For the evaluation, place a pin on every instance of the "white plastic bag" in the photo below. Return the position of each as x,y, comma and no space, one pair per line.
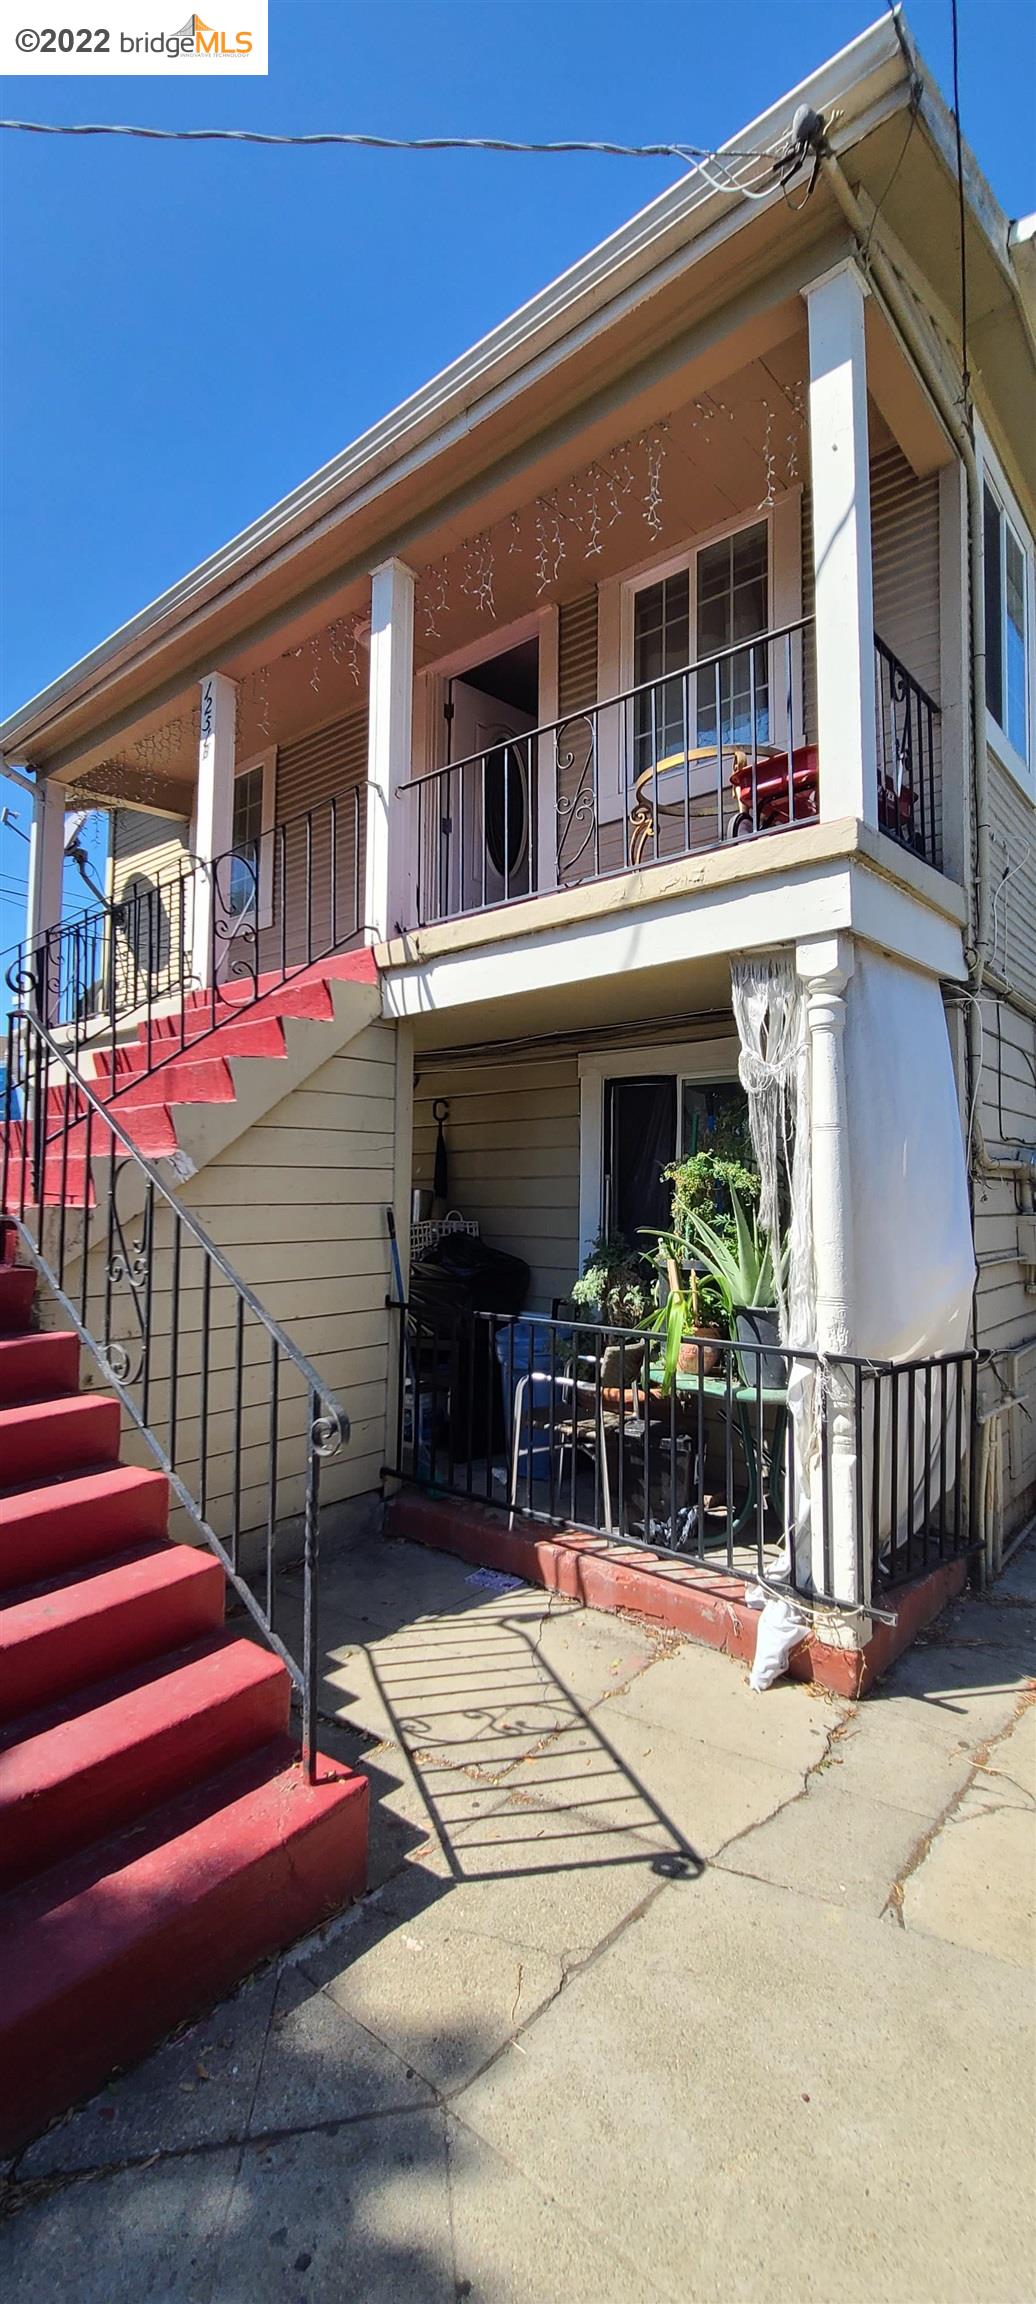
781,1627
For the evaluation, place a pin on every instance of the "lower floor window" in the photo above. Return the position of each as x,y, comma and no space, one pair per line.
651,1122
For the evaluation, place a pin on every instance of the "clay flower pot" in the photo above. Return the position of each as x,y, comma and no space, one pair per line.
697,1353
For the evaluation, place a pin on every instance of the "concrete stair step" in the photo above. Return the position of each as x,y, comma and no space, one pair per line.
111,1948
82,1769
17,1289
51,1525
52,1436
60,1635
32,1365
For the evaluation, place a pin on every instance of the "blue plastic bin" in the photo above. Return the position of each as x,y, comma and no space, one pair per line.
520,1349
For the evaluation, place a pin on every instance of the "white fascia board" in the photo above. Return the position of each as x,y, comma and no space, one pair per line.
459,395
675,933
840,897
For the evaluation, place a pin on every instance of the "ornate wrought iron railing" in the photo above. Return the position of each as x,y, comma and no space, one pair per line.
233,1413
716,751
908,722
200,938
834,1478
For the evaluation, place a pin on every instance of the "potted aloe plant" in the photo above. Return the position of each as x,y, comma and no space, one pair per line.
741,1268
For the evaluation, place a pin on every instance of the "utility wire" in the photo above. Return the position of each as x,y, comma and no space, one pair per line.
686,152
751,174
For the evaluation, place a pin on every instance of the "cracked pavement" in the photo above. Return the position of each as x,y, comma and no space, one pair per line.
661,1989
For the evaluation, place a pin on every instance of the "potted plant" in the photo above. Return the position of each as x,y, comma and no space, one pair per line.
687,1317
742,1270
613,1284
702,1186
614,1288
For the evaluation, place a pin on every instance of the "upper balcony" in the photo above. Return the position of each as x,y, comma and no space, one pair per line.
715,642
699,638
721,748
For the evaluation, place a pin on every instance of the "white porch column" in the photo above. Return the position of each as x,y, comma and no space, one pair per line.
840,482
826,965
213,820
391,872
46,883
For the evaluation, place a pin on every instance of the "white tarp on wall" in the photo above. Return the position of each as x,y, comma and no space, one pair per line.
912,1271
913,1257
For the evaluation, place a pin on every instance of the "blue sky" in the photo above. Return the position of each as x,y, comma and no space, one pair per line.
190,331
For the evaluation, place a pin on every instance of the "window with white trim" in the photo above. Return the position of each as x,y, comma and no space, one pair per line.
251,870
1008,577
724,587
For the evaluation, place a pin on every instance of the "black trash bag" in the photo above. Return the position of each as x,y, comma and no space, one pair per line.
495,1281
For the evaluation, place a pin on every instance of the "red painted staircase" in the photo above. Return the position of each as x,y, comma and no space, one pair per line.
158,1835
177,1059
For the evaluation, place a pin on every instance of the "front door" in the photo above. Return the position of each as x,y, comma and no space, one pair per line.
490,798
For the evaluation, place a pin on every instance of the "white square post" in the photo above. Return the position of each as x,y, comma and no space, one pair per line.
826,965
45,892
213,823
839,458
391,868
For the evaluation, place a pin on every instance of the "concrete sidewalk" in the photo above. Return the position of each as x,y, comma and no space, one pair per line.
662,1989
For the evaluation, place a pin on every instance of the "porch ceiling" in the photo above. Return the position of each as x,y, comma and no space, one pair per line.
732,438
698,991
315,672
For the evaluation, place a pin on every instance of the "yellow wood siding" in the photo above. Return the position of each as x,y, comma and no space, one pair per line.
1006,1309
905,561
1007,1117
512,1139
318,855
150,862
297,1203
578,689
145,848
1013,872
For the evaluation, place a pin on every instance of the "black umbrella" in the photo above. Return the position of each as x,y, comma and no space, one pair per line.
440,1172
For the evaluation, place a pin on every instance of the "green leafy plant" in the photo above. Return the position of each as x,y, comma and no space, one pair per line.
691,1308
702,1187
741,1268
614,1283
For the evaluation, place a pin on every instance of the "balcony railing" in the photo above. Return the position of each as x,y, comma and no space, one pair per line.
909,758
836,1478
712,752
272,907
722,750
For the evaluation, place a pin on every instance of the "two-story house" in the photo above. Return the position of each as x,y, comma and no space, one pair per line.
627,746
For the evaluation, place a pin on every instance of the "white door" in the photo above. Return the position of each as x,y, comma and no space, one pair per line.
490,828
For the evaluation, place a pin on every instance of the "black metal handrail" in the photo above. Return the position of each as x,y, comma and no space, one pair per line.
632,778
907,720
153,1284
830,1476
275,905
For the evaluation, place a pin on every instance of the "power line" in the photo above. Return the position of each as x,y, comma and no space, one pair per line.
685,152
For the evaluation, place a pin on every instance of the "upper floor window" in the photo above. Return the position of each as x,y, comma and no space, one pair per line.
733,606
251,863
721,596
1008,579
